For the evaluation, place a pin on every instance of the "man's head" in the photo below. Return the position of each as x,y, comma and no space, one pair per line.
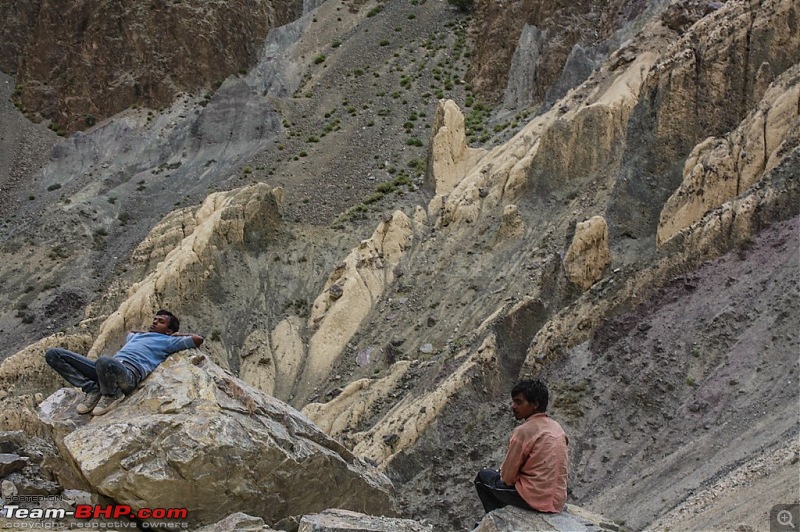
528,398
165,322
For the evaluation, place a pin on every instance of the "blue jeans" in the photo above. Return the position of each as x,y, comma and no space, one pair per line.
106,374
494,493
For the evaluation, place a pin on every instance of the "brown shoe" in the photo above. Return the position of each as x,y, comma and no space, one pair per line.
88,403
107,404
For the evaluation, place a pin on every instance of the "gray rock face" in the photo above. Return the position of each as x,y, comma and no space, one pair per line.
193,432
580,64
524,68
336,520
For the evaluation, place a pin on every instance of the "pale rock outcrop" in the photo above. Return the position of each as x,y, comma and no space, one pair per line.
777,196
580,139
350,293
271,361
572,519
25,374
705,84
225,219
165,236
257,367
194,431
588,256
449,157
336,520
719,169
407,421
348,408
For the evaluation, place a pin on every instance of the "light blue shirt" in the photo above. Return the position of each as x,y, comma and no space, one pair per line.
145,351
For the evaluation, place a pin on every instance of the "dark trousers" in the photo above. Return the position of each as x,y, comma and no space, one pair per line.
495,493
106,374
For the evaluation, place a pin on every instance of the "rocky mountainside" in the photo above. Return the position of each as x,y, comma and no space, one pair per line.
78,65
384,228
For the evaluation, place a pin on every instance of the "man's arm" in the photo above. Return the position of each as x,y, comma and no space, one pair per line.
515,458
196,338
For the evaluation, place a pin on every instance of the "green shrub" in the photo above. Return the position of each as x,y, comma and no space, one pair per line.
374,198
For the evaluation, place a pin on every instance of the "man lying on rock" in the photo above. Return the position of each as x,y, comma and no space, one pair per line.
107,380
534,473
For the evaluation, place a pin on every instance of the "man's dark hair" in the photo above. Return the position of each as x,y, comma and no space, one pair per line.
174,322
533,391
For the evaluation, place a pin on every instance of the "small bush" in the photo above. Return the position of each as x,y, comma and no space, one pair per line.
374,198
319,59
374,11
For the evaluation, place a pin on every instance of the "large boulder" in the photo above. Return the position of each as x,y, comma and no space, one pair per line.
336,520
572,519
193,434
238,522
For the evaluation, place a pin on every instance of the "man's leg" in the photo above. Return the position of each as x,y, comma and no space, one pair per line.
114,377
76,369
116,381
494,493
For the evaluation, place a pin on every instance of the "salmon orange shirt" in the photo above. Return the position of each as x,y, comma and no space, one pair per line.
537,462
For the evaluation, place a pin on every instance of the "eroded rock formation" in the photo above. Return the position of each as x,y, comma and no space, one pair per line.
588,255
449,156
719,169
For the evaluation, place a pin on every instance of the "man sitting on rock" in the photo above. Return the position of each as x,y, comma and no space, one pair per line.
112,378
534,472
